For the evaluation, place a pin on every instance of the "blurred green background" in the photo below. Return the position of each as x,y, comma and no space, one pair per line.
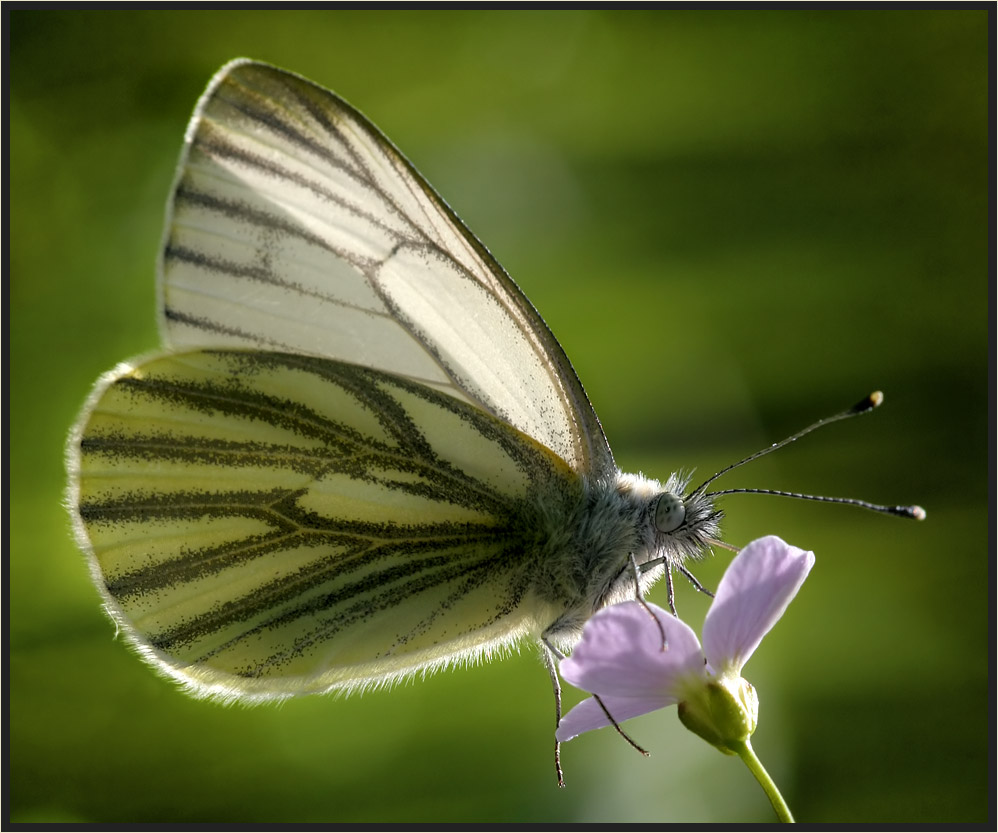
735,223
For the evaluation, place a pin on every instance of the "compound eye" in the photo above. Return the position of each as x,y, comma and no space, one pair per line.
670,512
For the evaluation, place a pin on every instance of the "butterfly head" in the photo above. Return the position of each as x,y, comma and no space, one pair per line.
682,524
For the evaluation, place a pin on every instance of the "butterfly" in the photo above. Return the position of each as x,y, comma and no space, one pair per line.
361,453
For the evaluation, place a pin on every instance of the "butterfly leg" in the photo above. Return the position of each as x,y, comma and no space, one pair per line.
641,601
551,656
671,590
693,580
670,587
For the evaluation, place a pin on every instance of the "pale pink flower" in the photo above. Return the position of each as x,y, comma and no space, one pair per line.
621,658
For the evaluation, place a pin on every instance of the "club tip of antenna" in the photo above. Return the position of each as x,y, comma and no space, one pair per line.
916,513
868,403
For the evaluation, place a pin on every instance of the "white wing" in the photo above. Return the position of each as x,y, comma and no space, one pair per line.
296,225
266,524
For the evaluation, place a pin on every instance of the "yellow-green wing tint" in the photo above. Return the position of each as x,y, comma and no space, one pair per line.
295,225
267,524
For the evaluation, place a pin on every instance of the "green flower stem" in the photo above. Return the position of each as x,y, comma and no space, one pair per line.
744,751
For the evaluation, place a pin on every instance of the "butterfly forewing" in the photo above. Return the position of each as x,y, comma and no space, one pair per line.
268,524
297,226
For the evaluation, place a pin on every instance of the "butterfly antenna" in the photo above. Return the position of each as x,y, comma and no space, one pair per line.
916,513
865,405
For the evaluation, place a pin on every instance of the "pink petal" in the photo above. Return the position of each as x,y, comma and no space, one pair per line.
588,715
759,584
620,654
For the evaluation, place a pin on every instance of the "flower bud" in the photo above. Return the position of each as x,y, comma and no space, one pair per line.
724,713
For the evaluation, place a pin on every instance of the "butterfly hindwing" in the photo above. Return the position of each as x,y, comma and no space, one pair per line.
265,524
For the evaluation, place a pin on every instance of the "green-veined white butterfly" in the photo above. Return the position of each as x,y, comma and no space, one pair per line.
362,454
